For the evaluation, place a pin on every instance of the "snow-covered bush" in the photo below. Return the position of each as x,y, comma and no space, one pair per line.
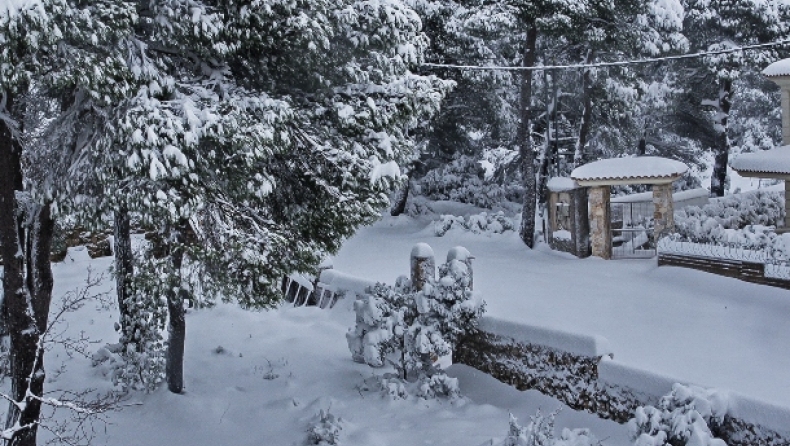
411,329
684,417
465,180
325,430
540,432
482,223
708,224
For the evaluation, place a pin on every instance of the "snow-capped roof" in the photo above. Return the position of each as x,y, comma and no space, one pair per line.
778,68
775,161
559,184
636,170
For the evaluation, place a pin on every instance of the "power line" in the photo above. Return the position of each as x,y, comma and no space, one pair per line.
610,64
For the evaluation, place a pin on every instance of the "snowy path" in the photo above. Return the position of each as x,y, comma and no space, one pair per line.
706,329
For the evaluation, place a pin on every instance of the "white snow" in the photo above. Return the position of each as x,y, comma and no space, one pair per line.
388,169
9,8
421,250
578,344
275,372
778,68
698,327
642,167
560,184
775,161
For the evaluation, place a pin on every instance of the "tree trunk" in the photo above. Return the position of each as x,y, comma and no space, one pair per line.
722,150
176,328
27,355
524,140
399,206
14,290
584,127
124,270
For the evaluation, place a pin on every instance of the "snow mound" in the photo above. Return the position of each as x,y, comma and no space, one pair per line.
636,168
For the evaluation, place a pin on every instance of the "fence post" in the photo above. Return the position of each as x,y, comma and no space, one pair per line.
423,265
462,255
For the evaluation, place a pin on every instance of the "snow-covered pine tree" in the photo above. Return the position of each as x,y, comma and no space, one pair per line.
716,25
46,46
251,163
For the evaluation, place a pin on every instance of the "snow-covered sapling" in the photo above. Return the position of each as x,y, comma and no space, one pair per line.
683,417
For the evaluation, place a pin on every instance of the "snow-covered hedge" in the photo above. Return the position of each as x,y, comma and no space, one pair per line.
741,222
482,223
465,180
710,223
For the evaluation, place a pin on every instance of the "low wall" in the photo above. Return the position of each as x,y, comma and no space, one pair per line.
579,371
740,269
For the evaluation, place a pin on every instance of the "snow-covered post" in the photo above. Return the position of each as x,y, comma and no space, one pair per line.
600,225
663,216
463,255
423,265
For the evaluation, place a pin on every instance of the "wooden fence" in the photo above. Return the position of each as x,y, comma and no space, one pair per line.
740,269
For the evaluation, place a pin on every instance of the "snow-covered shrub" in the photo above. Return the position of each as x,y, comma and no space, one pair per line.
325,430
540,432
482,223
412,329
684,417
708,224
437,385
464,180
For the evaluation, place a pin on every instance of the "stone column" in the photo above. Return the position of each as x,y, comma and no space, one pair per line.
785,113
787,207
600,225
663,216
423,266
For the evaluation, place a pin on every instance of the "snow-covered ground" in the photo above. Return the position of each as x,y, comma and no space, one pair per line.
272,375
698,327
276,370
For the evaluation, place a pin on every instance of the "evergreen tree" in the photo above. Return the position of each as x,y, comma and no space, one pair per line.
46,46
716,25
251,164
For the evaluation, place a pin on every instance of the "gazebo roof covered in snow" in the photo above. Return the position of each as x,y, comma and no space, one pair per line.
774,163
778,68
638,170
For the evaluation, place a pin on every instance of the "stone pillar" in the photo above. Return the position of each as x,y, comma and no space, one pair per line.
787,207
785,113
600,224
423,265
664,214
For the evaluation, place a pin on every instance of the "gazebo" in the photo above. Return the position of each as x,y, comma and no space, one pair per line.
600,175
774,163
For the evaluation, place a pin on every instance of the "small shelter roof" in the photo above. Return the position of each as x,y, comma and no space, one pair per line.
778,68
561,184
773,163
636,170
